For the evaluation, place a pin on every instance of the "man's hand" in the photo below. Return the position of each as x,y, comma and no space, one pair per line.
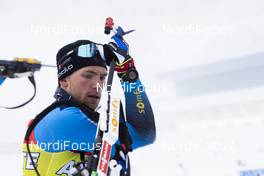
117,50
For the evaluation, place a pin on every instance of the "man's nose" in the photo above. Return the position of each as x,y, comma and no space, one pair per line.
97,83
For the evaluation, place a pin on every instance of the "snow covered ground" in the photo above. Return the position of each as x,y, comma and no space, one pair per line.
218,134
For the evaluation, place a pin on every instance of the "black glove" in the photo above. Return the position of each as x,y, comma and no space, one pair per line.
117,49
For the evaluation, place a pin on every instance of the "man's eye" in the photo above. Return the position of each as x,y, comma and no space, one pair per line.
88,76
102,78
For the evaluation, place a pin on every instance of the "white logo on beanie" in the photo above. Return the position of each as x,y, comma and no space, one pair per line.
65,70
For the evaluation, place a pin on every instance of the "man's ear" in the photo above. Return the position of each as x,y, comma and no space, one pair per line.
64,83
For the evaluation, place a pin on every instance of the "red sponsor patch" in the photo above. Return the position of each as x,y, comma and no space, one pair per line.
105,155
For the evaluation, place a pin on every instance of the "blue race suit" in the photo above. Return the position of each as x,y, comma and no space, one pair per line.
75,131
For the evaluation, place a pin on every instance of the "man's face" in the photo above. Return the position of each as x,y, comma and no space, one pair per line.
83,85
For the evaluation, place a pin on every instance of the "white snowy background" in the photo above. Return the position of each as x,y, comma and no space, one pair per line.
218,134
